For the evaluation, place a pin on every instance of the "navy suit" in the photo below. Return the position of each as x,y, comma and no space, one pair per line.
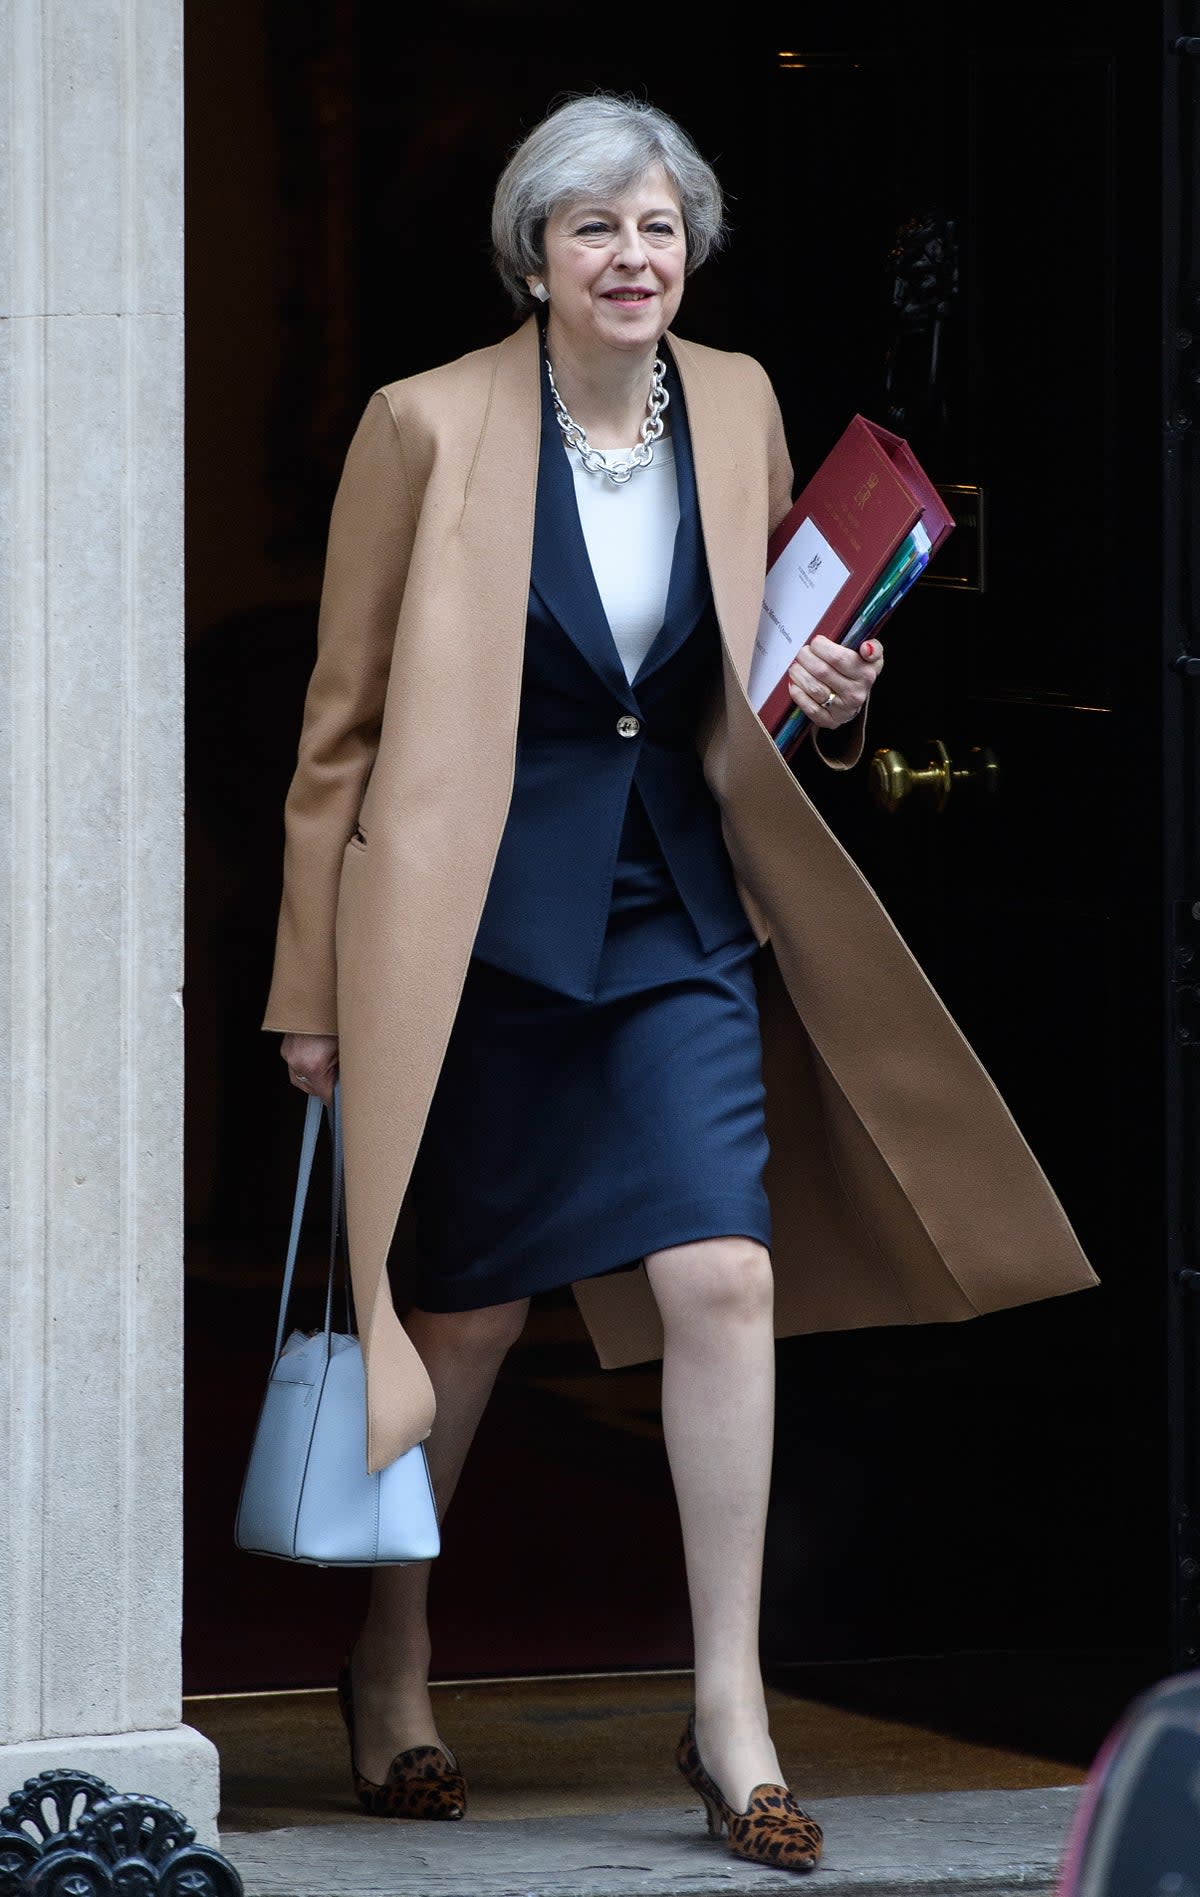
572,813
601,1094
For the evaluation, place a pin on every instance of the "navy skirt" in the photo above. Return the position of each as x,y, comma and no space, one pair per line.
568,1138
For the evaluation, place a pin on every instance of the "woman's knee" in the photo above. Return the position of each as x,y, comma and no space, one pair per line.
486,1335
723,1279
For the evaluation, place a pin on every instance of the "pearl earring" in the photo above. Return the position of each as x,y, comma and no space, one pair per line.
540,291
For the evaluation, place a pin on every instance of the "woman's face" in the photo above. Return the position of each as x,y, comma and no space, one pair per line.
615,267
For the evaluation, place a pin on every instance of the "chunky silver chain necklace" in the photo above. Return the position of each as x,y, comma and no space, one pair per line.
639,457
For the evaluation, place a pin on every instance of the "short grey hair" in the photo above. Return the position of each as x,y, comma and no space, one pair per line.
595,146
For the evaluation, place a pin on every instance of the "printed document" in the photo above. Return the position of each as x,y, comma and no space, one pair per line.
800,588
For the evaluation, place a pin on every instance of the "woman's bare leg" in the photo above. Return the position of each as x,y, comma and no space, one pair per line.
462,1351
715,1297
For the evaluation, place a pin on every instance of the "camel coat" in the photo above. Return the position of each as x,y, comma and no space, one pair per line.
901,1189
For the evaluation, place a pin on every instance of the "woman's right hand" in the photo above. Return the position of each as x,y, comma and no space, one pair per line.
312,1062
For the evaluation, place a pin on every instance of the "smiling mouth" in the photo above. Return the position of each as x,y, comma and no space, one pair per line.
628,296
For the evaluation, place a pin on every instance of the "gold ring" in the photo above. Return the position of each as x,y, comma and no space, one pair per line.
827,702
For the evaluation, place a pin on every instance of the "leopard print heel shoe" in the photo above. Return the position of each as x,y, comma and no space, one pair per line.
423,1782
772,1830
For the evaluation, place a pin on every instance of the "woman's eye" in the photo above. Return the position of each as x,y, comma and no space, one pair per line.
591,230
661,230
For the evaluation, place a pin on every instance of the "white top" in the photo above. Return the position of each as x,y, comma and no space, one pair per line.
630,535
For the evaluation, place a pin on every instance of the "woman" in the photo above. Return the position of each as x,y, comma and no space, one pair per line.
545,869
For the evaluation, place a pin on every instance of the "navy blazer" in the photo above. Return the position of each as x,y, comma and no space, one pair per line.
597,755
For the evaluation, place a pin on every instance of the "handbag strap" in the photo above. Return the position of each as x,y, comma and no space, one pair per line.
308,1148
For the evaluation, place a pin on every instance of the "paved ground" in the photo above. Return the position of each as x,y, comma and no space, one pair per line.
941,1844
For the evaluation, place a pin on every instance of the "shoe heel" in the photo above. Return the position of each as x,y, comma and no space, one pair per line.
687,1758
715,1816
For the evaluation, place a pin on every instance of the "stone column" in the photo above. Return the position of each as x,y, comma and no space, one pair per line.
91,575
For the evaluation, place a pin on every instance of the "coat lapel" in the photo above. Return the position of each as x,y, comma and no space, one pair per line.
409,904
731,499
689,590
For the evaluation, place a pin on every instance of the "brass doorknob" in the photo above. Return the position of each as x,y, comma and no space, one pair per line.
894,781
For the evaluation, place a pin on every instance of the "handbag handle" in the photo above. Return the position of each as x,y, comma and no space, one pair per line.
308,1147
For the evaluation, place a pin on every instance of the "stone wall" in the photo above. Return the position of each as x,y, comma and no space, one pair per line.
91,577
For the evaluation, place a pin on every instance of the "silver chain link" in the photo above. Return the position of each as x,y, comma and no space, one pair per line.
639,457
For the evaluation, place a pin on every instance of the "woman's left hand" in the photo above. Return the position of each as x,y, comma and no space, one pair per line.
822,668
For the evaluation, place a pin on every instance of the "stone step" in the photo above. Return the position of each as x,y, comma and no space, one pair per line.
939,1844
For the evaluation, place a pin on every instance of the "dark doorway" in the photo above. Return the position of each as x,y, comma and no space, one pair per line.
955,226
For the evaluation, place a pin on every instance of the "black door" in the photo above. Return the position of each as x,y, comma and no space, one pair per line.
964,239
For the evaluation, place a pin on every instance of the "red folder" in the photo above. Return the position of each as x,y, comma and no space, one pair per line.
866,496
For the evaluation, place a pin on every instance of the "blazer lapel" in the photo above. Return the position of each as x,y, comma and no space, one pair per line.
562,572
719,543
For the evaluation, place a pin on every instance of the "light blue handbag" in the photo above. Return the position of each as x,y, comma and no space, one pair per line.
307,1495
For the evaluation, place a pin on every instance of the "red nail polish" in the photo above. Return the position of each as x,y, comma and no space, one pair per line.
868,650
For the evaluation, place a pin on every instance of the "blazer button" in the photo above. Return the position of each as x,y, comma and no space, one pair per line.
628,727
